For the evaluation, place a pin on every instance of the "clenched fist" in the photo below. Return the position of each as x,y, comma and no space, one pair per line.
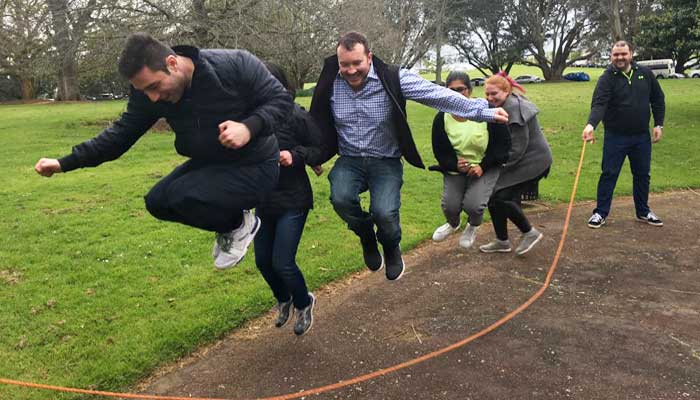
47,167
233,135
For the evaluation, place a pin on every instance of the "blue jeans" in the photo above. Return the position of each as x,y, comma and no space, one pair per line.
615,148
275,254
383,177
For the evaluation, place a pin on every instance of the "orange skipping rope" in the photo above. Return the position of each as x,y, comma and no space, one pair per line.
371,375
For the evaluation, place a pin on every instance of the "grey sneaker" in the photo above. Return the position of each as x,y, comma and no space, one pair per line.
233,245
650,219
468,236
596,221
496,246
528,241
443,231
305,317
284,311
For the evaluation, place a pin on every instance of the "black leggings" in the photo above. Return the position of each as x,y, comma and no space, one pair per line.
504,205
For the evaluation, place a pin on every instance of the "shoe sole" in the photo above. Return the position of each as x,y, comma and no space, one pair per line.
646,221
520,253
403,269
313,305
596,226
508,250
256,228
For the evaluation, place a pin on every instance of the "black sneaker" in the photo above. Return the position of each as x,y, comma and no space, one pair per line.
596,221
651,219
305,317
370,252
284,311
394,263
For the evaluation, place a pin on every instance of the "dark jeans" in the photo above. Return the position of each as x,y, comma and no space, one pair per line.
275,254
211,196
505,205
383,177
615,148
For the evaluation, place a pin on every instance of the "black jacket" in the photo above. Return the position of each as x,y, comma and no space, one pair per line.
389,77
302,138
226,85
496,151
623,105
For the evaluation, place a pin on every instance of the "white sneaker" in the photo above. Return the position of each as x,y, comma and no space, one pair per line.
468,236
442,232
233,245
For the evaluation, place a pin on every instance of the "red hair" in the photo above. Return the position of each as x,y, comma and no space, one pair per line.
504,82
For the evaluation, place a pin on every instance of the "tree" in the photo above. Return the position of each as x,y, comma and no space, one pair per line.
23,38
296,34
70,22
486,34
552,30
673,31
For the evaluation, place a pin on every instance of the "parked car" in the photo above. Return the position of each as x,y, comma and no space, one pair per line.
528,79
676,75
478,81
577,76
694,73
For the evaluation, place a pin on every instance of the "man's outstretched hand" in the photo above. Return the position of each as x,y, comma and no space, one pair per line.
47,167
500,115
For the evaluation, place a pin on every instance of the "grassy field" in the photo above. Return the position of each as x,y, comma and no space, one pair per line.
95,293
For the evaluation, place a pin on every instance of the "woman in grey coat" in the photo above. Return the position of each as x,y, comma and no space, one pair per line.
528,162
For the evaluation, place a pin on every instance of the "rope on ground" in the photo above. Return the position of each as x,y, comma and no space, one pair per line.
371,375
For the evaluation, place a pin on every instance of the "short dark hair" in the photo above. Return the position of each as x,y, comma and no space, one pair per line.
350,39
459,76
623,43
143,50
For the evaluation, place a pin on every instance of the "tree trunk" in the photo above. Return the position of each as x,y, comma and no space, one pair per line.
438,63
68,88
615,23
27,88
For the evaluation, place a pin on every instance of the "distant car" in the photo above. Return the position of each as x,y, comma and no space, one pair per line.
577,76
694,73
478,81
528,79
676,75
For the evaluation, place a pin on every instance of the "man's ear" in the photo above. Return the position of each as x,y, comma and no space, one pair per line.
369,57
171,63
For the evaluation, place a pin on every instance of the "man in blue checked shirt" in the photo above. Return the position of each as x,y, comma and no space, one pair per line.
360,106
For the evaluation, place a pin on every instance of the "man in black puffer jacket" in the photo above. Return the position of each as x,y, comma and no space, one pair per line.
223,106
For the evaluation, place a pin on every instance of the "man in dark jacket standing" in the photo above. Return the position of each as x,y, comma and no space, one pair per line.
223,106
622,99
360,105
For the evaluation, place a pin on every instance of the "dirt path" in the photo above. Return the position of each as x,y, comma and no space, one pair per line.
620,321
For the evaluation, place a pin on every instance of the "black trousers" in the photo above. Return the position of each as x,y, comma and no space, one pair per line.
211,196
504,205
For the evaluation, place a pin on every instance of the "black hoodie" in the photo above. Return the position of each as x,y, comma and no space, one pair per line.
623,104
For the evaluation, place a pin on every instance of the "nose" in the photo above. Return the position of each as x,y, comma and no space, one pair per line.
153,96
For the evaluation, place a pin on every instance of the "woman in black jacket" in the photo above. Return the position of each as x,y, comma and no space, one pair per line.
283,215
470,155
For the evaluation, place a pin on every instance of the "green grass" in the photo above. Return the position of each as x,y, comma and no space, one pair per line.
96,293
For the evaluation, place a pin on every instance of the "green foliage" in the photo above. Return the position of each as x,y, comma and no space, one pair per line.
96,293
672,32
